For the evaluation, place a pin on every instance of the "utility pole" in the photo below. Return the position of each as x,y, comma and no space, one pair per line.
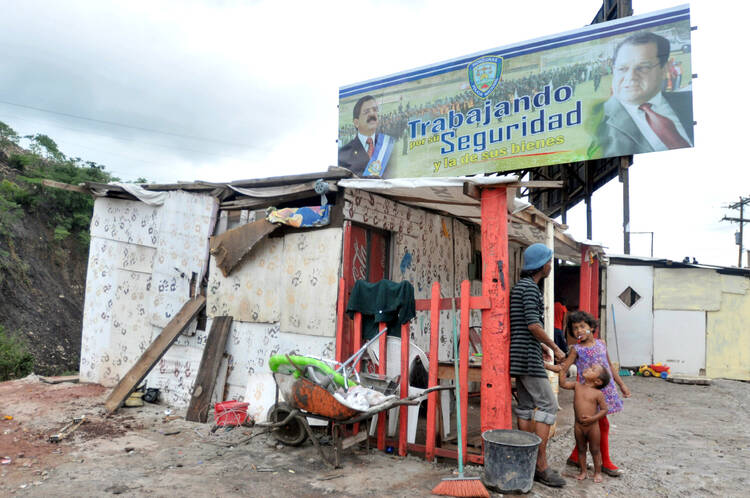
741,220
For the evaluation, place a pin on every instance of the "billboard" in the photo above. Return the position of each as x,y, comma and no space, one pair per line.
611,89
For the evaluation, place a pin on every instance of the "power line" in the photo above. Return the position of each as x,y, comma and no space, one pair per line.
184,149
122,125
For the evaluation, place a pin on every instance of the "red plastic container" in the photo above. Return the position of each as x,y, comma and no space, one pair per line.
230,413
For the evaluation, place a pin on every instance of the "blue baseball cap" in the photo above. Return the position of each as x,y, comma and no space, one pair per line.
535,256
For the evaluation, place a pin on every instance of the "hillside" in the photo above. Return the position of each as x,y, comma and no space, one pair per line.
43,249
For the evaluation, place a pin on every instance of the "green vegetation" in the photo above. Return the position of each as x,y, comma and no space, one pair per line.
70,212
15,359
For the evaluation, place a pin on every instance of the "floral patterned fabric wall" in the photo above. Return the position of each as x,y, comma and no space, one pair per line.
425,248
141,261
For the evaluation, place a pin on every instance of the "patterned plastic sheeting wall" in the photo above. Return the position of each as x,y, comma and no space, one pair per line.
186,223
291,280
248,376
130,253
251,293
310,272
423,245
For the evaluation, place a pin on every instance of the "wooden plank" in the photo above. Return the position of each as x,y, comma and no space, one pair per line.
536,184
262,203
432,400
59,379
213,352
687,379
153,353
404,412
333,173
446,371
280,190
496,395
231,246
340,317
352,440
475,303
65,186
472,190
382,359
463,362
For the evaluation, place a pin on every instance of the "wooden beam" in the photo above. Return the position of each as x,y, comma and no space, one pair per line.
472,190
65,186
539,220
281,190
203,389
231,246
333,173
475,303
261,203
422,201
495,386
153,353
536,184
60,379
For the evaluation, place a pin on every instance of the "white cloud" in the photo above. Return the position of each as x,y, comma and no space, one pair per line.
265,75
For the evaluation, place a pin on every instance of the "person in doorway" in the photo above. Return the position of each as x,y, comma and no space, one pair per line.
585,352
536,400
560,311
589,407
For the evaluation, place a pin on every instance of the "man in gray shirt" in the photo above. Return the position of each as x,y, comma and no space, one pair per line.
536,400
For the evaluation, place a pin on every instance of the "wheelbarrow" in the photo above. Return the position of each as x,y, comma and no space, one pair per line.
305,398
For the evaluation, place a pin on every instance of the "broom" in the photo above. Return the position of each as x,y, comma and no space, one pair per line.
459,486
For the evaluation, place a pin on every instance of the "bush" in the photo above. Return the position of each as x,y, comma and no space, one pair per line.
15,359
21,161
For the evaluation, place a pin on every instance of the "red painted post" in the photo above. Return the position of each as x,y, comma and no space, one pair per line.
432,399
343,347
584,289
381,370
594,292
357,344
357,339
340,321
496,397
403,416
463,363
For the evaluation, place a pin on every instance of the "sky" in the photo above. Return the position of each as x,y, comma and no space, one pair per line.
224,90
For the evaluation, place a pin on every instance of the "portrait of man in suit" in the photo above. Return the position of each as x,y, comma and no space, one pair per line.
640,117
368,153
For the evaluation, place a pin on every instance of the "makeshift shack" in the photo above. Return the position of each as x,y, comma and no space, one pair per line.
691,317
282,282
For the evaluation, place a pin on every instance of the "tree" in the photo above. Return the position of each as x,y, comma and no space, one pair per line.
7,135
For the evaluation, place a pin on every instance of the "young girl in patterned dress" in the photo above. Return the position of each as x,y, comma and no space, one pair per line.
585,352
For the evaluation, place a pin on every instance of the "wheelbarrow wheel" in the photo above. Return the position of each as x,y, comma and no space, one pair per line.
292,433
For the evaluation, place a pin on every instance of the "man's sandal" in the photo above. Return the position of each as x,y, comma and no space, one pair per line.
549,477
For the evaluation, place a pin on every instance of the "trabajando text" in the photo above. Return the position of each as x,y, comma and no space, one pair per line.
481,116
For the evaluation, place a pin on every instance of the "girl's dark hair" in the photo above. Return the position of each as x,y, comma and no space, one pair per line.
580,316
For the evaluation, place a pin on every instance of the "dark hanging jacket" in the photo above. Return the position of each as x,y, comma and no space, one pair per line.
383,301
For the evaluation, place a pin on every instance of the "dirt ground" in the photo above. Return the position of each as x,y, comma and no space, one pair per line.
672,440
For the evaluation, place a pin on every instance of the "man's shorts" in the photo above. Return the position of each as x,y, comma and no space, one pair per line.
535,392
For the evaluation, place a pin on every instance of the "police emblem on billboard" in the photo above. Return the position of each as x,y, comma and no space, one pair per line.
484,74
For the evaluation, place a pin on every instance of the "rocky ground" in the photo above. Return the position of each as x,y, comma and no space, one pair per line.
673,440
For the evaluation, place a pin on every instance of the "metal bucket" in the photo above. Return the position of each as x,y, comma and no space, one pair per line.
510,460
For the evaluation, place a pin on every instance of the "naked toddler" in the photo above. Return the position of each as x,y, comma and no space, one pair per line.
589,407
